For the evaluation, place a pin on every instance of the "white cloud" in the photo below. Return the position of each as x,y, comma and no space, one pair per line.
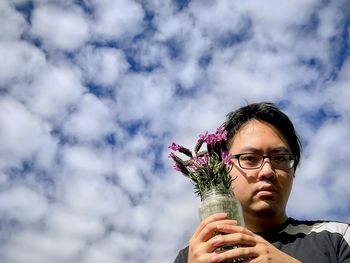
52,92
19,62
11,22
339,93
105,249
130,176
86,160
115,20
132,163
283,14
150,54
142,96
97,176
329,21
22,134
103,66
92,120
35,246
217,17
75,224
324,170
17,202
62,29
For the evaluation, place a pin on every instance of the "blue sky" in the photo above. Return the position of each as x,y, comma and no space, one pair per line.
93,91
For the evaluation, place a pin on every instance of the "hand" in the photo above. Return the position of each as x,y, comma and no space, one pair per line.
201,250
253,248
203,244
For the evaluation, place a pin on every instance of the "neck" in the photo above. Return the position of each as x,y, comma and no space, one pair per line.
263,223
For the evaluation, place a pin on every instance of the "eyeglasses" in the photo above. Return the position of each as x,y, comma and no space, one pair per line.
282,161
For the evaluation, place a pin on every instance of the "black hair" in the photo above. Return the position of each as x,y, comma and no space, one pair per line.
267,112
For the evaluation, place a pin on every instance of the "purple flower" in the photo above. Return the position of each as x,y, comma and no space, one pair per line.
226,158
203,137
212,139
221,134
203,160
208,167
176,167
174,147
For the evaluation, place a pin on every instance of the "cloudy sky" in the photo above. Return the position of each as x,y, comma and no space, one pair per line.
93,91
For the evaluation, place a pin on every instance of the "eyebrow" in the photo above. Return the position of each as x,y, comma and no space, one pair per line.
281,149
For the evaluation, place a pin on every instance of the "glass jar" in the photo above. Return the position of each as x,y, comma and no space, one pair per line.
221,200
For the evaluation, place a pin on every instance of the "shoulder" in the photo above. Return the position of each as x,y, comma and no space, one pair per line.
306,227
305,239
182,256
297,227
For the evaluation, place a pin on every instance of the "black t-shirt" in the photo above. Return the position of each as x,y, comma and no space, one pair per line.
307,241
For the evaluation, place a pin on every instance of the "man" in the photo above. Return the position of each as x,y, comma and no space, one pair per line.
265,150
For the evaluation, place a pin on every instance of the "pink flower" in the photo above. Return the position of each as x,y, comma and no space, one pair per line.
212,139
174,147
226,158
203,137
221,134
176,167
212,165
203,160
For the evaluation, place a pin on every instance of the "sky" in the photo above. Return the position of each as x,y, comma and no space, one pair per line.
92,92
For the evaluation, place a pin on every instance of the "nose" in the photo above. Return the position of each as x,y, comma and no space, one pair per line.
266,170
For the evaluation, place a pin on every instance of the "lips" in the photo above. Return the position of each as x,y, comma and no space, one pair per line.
266,190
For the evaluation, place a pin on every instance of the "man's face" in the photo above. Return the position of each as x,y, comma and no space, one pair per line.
264,191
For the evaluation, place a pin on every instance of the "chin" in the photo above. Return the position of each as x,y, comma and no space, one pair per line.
266,209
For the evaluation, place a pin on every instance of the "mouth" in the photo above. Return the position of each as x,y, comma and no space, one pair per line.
266,191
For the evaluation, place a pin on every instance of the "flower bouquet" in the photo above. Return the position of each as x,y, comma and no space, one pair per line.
209,171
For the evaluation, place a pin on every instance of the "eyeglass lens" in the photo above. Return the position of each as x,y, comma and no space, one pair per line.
278,161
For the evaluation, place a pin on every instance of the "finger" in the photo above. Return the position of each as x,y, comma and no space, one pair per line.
229,228
209,219
238,239
209,230
242,253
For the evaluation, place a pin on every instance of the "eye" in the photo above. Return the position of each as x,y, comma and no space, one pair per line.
249,158
280,158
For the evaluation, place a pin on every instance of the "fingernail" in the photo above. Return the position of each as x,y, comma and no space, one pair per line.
222,214
216,241
220,226
216,258
231,222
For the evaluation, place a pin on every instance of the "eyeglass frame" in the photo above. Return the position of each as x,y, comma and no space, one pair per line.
236,156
